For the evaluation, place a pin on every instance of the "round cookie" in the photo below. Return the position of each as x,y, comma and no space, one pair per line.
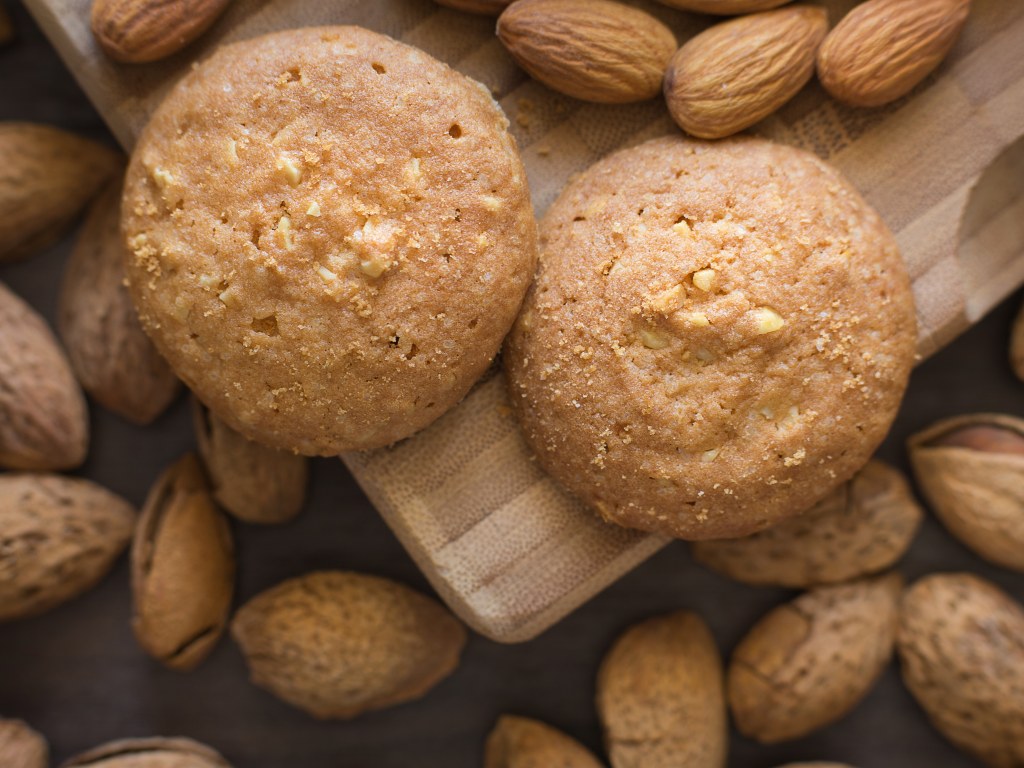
718,335
329,235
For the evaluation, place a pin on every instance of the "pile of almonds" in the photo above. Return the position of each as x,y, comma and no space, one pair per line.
735,73
339,644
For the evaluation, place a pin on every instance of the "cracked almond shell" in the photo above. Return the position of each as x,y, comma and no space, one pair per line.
58,537
737,73
337,644
519,742
43,418
253,482
46,178
807,663
971,471
961,648
660,696
865,526
21,746
183,569
149,753
594,50
111,356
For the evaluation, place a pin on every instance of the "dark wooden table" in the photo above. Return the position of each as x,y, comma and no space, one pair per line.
77,675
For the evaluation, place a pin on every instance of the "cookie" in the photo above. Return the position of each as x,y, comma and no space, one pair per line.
329,235
719,334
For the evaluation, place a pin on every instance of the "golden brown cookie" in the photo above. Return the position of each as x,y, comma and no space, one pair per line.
330,233
719,334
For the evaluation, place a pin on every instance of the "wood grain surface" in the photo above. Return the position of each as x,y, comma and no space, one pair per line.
505,547
77,675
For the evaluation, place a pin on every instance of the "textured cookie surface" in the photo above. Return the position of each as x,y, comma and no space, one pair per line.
719,334
329,235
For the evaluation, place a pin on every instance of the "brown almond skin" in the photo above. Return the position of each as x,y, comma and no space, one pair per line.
337,644
61,535
183,569
482,7
43,419
594,50
971,471
724,7
140,31
22,747
961,649
660,696
253,482
883,48
807,663
865,526
47,176
112,357
519,742
737,73
149,753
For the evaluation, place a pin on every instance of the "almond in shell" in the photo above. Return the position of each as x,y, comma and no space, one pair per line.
961,648
519,742
43,420
660,696
807,663
595,50
46,178
739,72
255,483
183,569
971,471
863,527
337,644
883,48
61,535
149,753
22,747
138,31
110,354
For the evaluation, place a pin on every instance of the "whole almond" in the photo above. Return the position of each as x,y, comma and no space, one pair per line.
738,72
149,753
483,7
46,177
22,747
110,354
183,569
595,50
337,644
253,482
961,648
138,31
807,663
724,7
883,48
43,420
863,527
660,696
519,742
60,537
971,471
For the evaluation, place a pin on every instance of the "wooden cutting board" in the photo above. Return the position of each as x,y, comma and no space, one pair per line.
508,550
